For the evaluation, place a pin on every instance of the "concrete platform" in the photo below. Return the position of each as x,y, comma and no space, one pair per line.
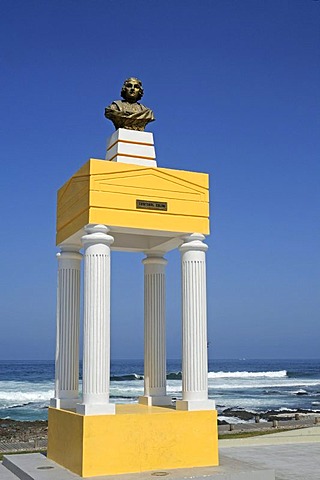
301,435
300,461
5,474
35,466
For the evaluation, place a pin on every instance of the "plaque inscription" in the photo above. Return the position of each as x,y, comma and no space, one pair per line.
151,205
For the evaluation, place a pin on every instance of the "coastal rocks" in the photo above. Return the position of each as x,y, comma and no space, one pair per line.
267,416
16,431
222,422
239,413
301,392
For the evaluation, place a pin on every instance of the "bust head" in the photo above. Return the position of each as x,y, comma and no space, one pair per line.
132,90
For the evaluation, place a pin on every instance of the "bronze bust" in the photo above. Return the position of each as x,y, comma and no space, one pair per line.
128,113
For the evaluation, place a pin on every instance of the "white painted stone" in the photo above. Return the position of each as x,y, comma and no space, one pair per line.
131,150
194,325
155,380
105,408
96,336
193,405
134,136
131,146
68,320
135,161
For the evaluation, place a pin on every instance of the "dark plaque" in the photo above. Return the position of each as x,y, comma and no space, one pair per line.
151,205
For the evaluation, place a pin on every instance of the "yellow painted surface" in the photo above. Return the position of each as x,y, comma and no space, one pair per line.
106,192
138,409
65,439
138,438
148,220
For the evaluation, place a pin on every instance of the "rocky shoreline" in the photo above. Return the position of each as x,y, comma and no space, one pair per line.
268,416
14,431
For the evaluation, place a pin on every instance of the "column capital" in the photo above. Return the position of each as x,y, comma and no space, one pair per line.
69,247
154,258
69,251
96,233
194,241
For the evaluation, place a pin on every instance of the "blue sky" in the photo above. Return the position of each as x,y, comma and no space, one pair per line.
234,85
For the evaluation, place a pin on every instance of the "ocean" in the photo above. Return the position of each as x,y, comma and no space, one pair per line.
255,386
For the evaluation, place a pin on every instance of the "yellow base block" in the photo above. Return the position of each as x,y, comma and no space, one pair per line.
136,439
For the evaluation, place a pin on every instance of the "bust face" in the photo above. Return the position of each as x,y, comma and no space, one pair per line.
131,90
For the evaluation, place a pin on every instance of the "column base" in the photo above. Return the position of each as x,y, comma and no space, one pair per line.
64,403
96,409
156,400
193,405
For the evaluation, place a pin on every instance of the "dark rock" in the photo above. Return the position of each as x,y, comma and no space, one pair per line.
242,414
222,422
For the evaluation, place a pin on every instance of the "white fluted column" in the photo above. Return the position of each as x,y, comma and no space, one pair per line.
194,326
96,336
154,331
68,320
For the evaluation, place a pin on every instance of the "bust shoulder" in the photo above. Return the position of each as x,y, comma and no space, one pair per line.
121,105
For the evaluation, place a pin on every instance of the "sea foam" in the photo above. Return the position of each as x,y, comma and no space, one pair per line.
244,375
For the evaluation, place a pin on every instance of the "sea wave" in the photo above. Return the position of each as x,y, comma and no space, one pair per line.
19,405
174,376
231,419
23,398
222,374
276,374
215,385
125,397
126,377
139,376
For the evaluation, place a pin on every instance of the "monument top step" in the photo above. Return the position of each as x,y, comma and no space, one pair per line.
131,146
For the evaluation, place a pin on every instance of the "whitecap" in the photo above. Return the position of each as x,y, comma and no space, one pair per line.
276,374
16,399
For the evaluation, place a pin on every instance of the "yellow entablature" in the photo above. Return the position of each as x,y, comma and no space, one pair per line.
133,196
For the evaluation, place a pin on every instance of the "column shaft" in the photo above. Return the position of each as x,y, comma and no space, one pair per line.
96,336
194,326
154,331
68,320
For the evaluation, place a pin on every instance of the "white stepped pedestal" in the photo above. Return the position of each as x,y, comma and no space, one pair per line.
194,326
131,146
154,331
96,337
68,320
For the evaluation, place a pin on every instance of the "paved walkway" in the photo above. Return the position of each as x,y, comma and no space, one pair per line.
294,455
301,435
